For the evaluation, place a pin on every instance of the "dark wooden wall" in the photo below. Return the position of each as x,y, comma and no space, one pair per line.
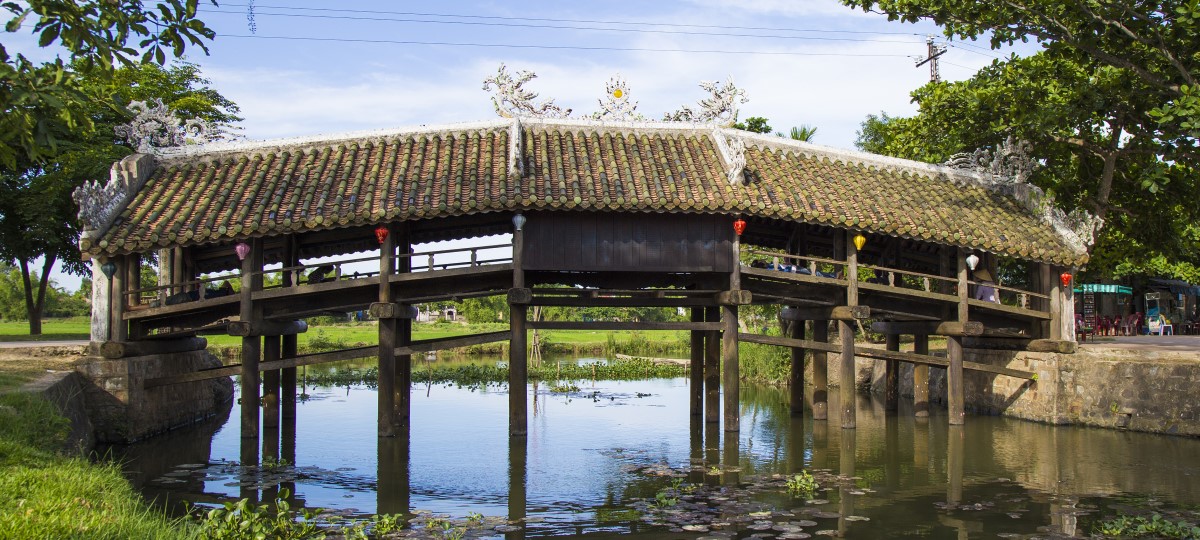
629,242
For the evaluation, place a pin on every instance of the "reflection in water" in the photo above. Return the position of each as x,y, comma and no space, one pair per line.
590,456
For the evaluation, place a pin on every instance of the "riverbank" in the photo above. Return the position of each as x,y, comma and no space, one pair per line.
47,491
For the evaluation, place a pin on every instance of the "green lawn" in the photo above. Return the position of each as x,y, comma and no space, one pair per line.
52,329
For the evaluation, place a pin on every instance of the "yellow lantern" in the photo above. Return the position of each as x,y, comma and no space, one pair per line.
860,241
618,93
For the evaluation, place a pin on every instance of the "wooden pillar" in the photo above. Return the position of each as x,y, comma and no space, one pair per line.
386,375
252,344
921,377
846,334
517,489
696,366
119,329
729,356
287,379
165,262
954,352
891,375
820,368
270,393
518,355
712,368
955,442
403,386
796,375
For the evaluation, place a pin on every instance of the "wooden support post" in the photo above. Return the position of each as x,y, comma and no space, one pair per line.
729,356
251,345
796,375
891,375
846,334
518,354
403,387
712,368
921,378
954,352
287,382
820,368
119,329
270,394
386,375
287,379
696,366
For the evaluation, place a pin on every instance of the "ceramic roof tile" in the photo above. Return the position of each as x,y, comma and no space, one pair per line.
219,195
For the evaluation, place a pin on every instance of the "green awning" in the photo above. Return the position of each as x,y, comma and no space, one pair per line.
1103,288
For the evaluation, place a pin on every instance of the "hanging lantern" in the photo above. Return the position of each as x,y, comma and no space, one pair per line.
242,249
859,241
972,261
381,233
739,226
109,268
519,221
1065,278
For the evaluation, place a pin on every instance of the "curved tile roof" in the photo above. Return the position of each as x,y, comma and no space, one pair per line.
221,193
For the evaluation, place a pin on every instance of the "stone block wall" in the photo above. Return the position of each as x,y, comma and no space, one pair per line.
1136,390
121,410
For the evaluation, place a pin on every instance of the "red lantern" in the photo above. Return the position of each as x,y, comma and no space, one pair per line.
381,233
739,226
1065,278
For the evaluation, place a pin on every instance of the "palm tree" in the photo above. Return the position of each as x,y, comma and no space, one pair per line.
803,133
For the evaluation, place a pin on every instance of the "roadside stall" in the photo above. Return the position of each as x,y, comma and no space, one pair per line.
1104,309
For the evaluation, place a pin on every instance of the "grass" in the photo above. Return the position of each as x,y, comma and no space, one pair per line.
52,329
46,494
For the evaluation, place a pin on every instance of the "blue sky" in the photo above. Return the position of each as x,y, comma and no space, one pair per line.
316,67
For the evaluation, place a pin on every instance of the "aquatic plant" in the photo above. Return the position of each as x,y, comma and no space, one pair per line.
244,519
1143,527
802,484
388,523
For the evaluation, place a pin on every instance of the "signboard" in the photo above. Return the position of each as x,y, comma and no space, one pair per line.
1103,288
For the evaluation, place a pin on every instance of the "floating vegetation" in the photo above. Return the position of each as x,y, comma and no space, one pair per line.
1155,526
802,484
475,376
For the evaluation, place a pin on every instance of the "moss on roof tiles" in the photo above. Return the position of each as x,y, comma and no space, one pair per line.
566,167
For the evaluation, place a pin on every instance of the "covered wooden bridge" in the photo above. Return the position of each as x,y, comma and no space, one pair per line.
599,214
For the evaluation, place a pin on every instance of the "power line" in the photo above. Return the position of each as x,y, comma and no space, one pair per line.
554,47
259,12
580,21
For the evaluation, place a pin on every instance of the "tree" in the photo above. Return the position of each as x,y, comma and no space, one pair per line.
754,124
37,213
803,133
1080,120
1150,45
42,105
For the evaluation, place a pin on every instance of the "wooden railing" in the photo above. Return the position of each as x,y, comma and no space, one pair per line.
199,289
891,277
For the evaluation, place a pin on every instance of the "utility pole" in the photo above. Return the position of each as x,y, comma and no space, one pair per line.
931,58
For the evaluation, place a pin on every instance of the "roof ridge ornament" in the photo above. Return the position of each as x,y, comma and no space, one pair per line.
511,100
733,152
156,126
516,149
721,108
99,204
616,105
1007,171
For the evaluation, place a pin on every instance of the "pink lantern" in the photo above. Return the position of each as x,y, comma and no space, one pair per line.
242,249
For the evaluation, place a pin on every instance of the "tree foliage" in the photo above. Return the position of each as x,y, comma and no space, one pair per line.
43,104
1110,103
37,213
1150,46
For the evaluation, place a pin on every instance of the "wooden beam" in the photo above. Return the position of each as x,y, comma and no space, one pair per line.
1021,344
932,328
116,349
520,296
738,297
611,325
443,343
391,310
267,328
623,301
825,313
881,354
